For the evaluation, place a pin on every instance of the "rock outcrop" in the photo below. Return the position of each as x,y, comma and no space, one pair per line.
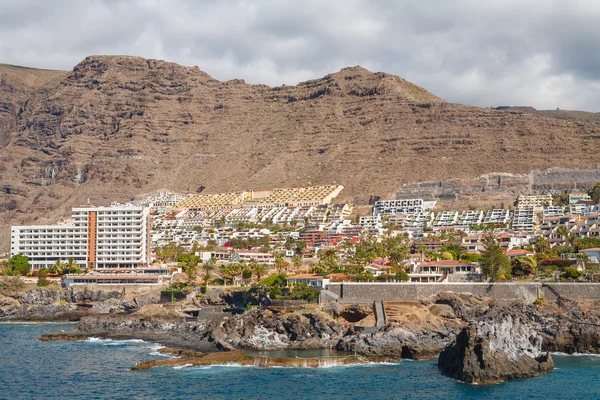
69,304
503,345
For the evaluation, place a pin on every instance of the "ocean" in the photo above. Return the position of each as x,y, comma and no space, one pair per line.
99,369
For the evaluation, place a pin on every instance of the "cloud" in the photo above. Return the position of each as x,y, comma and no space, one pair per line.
541,52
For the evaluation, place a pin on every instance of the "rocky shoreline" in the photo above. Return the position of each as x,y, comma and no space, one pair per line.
478,340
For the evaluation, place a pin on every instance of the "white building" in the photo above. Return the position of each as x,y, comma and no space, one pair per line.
524,219
404,206
102,237
553,211
445,219
497,217
470,217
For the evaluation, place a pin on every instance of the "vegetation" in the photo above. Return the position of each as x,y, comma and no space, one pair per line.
17,265
524,266
571,274
495,264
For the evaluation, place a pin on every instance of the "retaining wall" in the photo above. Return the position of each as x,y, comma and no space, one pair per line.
499,291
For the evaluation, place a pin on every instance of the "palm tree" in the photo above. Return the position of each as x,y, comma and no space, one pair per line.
563,231
260,270
280,263
297,261
71,266
57,268
208,267
542,244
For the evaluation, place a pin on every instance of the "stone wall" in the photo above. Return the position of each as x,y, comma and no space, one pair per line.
500,291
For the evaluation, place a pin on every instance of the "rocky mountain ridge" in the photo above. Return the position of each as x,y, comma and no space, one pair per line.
118,126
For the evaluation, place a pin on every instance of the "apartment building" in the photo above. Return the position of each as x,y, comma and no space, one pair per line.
392,207
576,197
524,219
100,237
536,201
553,211
470,217
497,217
445,219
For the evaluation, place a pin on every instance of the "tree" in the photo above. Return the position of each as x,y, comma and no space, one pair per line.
208,267
260,270
19,265
189,263
446,255
524,266
541,245
297,261
494,263
229,271
57,268
71,267
398,254
595,192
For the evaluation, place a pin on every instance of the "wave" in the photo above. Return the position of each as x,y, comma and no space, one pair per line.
183,366
558,353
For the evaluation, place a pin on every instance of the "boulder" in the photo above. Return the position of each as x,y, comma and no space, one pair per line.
500,347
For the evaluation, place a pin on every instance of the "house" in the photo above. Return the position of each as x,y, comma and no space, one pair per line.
312,280
437,271
593,254
514,253
375,269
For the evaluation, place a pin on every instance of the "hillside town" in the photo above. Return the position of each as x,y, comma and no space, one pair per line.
303,235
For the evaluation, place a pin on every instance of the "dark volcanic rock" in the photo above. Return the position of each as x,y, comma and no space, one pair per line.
500,347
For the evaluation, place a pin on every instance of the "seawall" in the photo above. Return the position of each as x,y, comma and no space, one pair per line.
499,291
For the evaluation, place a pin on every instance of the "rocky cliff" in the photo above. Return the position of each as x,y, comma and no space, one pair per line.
501,345
117,126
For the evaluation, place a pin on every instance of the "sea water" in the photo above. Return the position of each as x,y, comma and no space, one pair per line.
99,369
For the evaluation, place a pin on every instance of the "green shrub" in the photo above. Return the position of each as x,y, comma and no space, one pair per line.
302,291
42,281
571,274
274,280
539,301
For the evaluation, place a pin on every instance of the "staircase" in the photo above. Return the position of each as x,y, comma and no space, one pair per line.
379,314
559,299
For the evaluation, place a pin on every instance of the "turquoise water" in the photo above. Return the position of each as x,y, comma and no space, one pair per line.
30,369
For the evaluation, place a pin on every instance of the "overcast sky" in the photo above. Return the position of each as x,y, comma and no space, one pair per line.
487,53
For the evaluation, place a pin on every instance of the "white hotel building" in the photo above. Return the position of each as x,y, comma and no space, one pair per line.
100,237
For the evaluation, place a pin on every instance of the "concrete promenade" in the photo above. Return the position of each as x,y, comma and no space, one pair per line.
379,291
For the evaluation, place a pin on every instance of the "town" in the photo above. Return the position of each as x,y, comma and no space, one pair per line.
302,236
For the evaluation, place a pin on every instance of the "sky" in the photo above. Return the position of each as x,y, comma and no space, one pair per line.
544,54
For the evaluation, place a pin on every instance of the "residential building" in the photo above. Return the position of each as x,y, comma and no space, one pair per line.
312,280
403,206
553,211
445,219
497,217
537,201
524,219
470,218
438,271
593,254
100,237
576,197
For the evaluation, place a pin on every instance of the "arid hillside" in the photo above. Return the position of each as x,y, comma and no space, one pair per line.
118,126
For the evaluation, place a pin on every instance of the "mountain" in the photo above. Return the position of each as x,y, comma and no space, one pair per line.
118,126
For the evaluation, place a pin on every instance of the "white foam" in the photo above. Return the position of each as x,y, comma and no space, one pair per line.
575,354
182,366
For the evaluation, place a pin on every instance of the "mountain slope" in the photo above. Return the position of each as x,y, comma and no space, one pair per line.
117,126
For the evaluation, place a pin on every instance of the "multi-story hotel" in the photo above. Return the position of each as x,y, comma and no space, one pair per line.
100,237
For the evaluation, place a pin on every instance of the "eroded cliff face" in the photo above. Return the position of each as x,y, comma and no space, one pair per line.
115,127
503,345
